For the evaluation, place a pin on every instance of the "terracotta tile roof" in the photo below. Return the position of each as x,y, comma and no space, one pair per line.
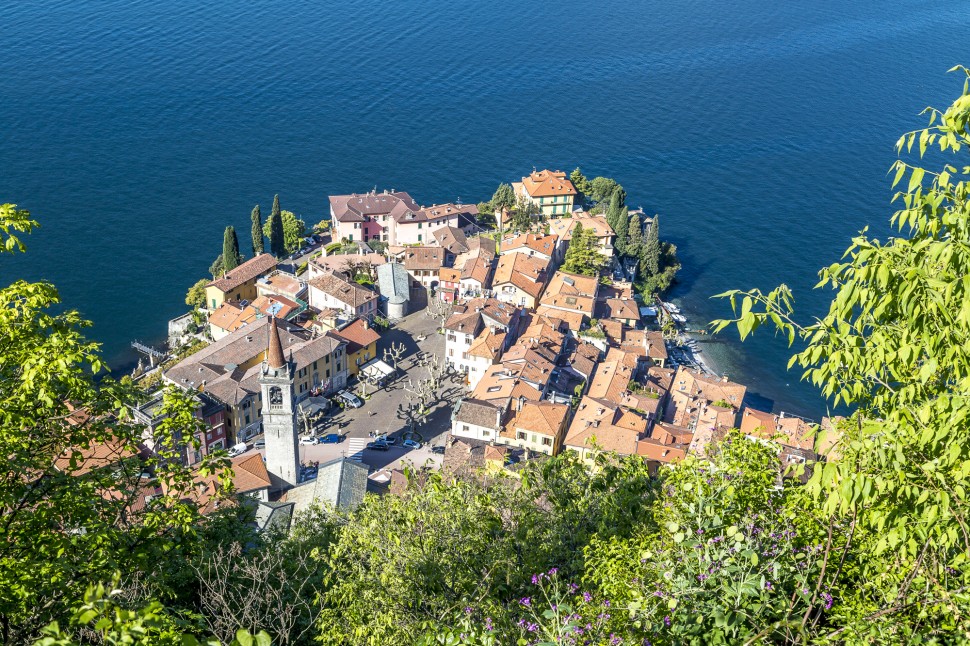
795,431
353,208
228,316
344,290
544,418
532,363
422,258
358,335
583,359
611,378
571,293
248,474
622,309
94,456
280,283
545,245
546,183
496,453
435,212
524,272
477,269
488,344
245,272
447,275
611,427
500,384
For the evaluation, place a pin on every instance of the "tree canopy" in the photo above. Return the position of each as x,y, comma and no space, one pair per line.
294,230
274,229
230,249
256,231
582,255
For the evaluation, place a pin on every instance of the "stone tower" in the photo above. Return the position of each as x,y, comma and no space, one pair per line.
279,414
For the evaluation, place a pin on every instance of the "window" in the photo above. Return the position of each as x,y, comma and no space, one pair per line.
495,389
213,303
419,224
419,237
486,433
247,419
520,435
350,237
328,373
464,427
547,441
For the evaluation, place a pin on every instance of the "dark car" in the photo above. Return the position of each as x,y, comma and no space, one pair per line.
377,446
438,449
331,438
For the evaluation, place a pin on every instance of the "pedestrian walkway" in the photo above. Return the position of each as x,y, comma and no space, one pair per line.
355,448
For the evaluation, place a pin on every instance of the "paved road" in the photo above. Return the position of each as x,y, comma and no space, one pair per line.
380,411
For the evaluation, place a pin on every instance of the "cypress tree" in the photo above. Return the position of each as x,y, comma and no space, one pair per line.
277,244
650,253
230,250
257,231
614,210
634,238
621,230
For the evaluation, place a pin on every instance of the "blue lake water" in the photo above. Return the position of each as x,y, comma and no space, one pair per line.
760,132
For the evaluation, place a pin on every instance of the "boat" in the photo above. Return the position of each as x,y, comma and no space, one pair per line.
679,318
673,309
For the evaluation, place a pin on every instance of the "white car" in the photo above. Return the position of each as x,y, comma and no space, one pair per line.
349,399
412,444
307,439
237,449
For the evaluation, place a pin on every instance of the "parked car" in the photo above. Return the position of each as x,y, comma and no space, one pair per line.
349,399
382,437
377,446
307,439
331,438
440,450
237,449
259,444
412,444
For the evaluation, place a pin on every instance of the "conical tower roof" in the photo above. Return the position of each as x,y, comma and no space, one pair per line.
274,352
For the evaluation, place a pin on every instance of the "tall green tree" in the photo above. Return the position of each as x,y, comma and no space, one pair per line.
650,251
895,346
294,230
582,255
230,249
503,198
257,231
614,211
274,229
580,182
634,242
602,189
622,231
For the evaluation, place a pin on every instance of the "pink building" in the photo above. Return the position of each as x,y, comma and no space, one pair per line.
391,217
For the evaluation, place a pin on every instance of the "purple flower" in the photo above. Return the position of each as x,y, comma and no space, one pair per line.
701,577
606,602
587,597
532,627
488,624
535,579
828,600
767,585
553,571
667,621
468,610
525,601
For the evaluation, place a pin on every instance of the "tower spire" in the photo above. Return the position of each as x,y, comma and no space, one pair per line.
274,352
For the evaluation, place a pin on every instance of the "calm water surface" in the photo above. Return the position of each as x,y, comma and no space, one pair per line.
760,131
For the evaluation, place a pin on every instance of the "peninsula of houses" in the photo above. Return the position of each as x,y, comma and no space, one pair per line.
452,336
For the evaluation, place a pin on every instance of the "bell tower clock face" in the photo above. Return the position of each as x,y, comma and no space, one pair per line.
275,396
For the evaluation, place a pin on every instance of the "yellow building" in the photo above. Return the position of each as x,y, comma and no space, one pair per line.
240,283
549,190
361,344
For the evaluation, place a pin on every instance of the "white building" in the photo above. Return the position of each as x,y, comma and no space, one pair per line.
477,420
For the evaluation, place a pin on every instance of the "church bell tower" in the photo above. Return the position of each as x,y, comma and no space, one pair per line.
279,414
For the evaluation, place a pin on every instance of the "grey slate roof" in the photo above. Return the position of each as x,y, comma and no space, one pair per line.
479,413
340,483
393,282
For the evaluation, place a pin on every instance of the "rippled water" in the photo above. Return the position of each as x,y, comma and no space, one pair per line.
761,132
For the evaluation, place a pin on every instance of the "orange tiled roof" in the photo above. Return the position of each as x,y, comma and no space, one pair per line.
249,270
546,183
544,418
610,427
